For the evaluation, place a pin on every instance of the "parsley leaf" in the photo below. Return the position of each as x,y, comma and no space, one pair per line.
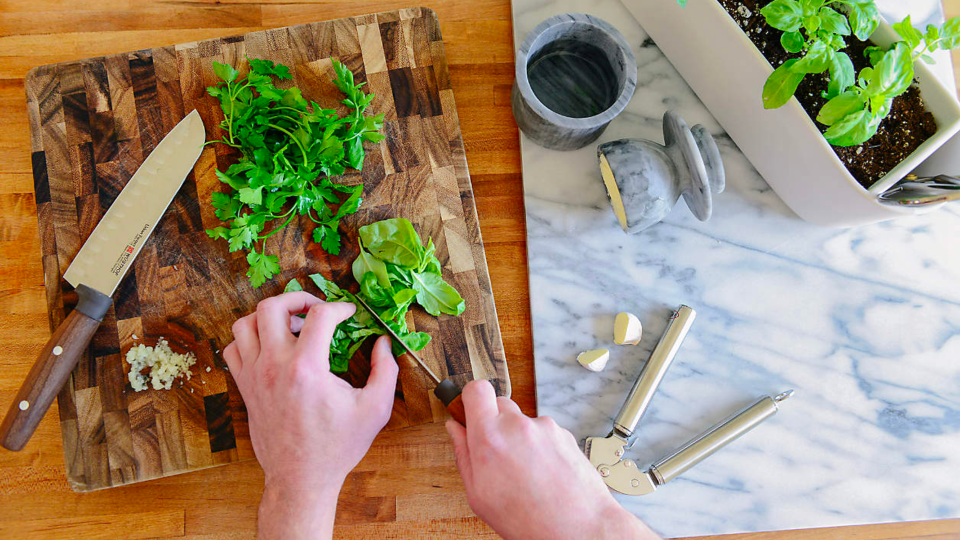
261,267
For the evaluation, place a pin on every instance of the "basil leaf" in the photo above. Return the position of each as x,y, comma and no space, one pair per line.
292,285
792,41
330,290
394,241
875,54
842,74
839,107
864,18
895,70
834,22
436,295
853,129
950,35
781,85
400,275
416,340
404,297
376,294
786,15
366,263
817,59
811,23
911,35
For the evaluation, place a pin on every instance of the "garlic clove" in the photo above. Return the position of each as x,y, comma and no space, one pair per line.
594,360
627,329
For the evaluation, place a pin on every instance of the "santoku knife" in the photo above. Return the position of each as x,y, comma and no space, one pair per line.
446,391
98,268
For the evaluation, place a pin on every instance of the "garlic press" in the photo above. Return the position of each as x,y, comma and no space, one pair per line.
606,453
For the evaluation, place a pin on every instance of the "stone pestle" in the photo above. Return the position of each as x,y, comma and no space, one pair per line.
644,179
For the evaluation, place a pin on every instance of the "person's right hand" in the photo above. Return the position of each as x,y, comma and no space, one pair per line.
527,478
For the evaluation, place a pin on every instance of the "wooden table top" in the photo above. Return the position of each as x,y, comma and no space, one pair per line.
408,486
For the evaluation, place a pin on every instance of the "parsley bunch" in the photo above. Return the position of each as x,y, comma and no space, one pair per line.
290,149
394,271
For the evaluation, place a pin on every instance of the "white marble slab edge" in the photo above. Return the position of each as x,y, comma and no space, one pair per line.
864,323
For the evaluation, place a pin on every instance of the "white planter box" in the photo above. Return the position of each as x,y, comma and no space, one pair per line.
727,72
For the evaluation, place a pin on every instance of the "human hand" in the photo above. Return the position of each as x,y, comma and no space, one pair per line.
309,428
527,478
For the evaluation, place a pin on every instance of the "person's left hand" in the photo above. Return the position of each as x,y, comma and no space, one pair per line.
308,427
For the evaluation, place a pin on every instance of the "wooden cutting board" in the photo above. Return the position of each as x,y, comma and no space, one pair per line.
93,122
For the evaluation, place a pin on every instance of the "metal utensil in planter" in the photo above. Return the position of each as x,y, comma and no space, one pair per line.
920,191
575,73
645,179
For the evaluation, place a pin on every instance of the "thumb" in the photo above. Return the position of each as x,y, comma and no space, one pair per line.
461,452
382,383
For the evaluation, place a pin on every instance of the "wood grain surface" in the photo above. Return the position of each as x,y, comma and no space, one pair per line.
407,487
94,121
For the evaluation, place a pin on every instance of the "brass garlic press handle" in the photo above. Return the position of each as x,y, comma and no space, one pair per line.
715,438
652,374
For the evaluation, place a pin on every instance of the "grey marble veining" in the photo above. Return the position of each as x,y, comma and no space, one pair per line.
864,323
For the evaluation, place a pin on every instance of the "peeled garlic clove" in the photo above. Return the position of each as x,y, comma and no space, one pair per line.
594,360
627,329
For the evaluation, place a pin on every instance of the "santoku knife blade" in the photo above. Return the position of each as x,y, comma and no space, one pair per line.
98,268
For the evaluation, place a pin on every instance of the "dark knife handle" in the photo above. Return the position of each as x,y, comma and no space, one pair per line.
52,368
449,394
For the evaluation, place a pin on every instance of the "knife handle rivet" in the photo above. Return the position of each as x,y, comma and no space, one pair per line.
635,483
57,351
24,405
604,472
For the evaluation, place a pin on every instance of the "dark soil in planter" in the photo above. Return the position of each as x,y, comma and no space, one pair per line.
907,127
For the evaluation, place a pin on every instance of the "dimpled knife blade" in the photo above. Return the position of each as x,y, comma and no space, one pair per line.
117,240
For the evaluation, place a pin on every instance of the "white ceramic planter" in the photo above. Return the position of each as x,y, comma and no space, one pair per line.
727,72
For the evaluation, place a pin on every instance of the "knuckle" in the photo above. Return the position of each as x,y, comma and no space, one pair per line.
237,326
527,427
547,422
266,305
319,310
488,436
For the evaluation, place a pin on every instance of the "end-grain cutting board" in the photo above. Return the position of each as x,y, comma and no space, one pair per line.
92,123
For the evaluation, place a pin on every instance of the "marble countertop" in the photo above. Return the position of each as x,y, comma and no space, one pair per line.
864,323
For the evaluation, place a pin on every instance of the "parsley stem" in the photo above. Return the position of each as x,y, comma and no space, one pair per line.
233,97
299,144
271,233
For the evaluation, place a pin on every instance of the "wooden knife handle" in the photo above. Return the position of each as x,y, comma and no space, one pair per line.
52,368
449,393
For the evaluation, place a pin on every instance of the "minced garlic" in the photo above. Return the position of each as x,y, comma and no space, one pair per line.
165,366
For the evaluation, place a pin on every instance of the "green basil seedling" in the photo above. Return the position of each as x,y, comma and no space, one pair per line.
816,29
854,115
